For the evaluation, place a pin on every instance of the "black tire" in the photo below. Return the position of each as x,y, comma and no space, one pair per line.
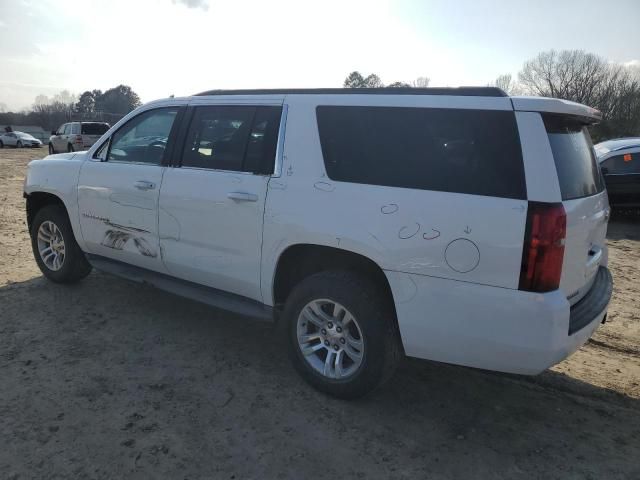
1,144
19,144
70,148
375,316
51,149
75,265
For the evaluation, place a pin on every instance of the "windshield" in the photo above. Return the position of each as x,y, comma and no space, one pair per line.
24,135
573,154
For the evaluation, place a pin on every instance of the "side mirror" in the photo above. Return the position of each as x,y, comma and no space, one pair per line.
53,132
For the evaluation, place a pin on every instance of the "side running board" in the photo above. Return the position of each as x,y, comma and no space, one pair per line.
200,293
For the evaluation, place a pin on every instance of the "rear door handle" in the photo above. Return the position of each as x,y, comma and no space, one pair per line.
243,196
144,185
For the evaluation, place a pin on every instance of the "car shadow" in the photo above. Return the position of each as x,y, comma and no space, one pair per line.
144,381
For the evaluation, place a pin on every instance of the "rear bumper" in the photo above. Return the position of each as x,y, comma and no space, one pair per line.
493,328
593,303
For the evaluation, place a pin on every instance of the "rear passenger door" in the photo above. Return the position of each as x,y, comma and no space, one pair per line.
212,199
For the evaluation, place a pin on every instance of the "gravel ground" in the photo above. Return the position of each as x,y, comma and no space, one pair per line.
111,379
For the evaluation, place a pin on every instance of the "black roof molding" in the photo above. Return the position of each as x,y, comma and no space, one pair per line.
454,91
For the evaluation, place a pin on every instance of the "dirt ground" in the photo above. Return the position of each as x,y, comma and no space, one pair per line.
111,379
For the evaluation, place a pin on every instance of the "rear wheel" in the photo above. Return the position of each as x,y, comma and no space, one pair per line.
341,333
54,247
19,144
51,149
1,144
70,148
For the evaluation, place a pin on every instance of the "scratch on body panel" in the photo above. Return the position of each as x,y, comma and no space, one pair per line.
324,186
409,231
432,236
119,235
389,209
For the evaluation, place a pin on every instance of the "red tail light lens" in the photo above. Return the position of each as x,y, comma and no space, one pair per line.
78,139
543,250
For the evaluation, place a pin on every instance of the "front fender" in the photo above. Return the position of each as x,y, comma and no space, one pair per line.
58,175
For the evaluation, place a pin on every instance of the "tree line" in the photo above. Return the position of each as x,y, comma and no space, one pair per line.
92,105
574,75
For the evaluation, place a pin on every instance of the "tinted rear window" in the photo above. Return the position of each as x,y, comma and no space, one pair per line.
450,150
94,128
578,172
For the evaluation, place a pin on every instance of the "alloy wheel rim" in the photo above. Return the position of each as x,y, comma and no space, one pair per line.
330,339
51,245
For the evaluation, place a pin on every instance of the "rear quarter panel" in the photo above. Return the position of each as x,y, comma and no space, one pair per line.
470,238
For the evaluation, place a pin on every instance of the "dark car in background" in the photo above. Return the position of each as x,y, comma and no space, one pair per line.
619,161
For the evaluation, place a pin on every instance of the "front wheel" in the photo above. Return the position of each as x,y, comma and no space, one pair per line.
54,247
51,149
19,144
341,333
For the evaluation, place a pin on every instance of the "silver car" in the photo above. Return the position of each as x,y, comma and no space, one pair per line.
76,136
18,140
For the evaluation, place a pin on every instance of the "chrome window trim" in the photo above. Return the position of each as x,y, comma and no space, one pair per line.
277,169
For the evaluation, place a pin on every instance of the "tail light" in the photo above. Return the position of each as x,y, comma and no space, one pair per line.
78,139
543,250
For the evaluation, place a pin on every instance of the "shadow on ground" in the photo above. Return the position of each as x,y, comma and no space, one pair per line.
109,378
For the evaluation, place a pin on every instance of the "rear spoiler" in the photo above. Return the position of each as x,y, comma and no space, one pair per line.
583,113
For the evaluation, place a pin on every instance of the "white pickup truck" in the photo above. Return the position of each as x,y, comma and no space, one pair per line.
458,225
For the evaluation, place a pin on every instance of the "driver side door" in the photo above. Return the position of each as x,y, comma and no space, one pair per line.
118,190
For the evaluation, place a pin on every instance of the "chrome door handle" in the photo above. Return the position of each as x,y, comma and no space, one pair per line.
243,196
144,185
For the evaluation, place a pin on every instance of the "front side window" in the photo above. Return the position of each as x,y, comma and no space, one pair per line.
232,138
448,150
65,129
144,138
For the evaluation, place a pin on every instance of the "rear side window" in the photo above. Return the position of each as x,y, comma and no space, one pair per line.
75,128
578,172
621,164
449,150
232,138
94,128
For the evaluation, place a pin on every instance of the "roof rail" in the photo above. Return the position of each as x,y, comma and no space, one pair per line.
454,91
624,147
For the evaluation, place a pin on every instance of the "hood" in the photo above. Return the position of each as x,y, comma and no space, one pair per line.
65,156
62,156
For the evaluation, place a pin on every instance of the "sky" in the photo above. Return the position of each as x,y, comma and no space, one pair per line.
181,47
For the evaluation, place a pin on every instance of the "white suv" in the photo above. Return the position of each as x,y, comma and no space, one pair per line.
76,136
458,225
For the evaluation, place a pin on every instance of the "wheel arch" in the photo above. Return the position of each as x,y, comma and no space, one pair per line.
38,200
298,261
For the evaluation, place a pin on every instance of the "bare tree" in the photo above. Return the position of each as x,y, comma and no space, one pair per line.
421,82
507,84
589,79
